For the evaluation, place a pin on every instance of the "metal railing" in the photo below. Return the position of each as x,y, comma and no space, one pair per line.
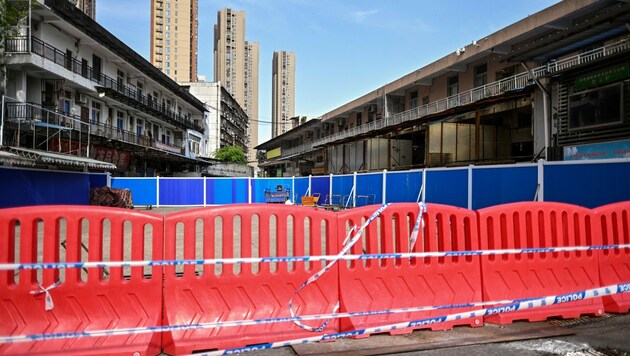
515,82
52,120
39,47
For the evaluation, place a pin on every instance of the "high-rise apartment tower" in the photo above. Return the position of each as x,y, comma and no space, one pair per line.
282,92
236,66
174,38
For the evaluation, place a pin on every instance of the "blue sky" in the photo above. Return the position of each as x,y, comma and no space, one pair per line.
344,48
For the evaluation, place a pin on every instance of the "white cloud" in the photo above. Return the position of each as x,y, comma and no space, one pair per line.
359,16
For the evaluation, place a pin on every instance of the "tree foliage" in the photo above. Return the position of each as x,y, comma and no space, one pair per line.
11,13
231,154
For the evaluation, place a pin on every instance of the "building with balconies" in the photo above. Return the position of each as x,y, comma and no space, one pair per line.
226,123
554,85
77,92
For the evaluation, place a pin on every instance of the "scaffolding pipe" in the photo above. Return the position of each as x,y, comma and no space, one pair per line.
2,124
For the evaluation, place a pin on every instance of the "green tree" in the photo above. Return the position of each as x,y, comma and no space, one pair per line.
231,154
11,13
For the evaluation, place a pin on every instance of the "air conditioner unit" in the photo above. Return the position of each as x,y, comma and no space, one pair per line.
82,99
342,122
372,108
326,126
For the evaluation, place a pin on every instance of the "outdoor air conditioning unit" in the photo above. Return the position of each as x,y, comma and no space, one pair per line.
326,126
372,108
82,99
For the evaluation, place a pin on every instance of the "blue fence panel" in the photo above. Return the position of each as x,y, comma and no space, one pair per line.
341,188
259,186
24,187
226,191
143,190
98,180
501,185
181,191
321,185
448,186
301,186
403,186
369,189
589,185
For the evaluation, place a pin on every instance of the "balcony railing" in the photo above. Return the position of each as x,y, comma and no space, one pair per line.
515,82
43,118
20,45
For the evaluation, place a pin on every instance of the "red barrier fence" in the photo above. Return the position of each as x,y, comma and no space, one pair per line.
613,223
246,291
539,225
93,299
380,284
114,298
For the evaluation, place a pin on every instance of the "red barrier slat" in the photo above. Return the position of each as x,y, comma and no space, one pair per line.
410,282
191,298
538,225
94,304
613,222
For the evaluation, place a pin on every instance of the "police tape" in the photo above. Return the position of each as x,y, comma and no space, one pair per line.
507,306
347,245
320,258
517,305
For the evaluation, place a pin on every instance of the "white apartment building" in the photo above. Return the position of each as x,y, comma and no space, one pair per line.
74,89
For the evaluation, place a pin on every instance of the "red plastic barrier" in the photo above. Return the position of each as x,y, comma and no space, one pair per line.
613,222
398,283
91,299
204,294
538,225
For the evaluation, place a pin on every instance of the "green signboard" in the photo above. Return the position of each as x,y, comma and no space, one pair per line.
603,76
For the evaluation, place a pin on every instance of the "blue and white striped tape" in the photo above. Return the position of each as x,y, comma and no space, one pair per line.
347,245
517,305
244,260
508,306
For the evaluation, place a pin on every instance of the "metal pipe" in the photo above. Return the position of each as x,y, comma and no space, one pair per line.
2,124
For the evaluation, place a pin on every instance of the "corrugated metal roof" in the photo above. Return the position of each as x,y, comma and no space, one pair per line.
46,157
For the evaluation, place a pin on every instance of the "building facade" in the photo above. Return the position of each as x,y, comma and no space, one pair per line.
554,85
226,122
174,38
282,92
236,66
87,6
78,97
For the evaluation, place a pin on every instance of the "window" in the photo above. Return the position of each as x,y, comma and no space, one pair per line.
84,67
96,112
452,85
596,107
68,59
168,27
120,120
96,67
139,127
481,75
413,99
359,118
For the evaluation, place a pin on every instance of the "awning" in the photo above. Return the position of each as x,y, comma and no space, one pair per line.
15,160
45,157
279,160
